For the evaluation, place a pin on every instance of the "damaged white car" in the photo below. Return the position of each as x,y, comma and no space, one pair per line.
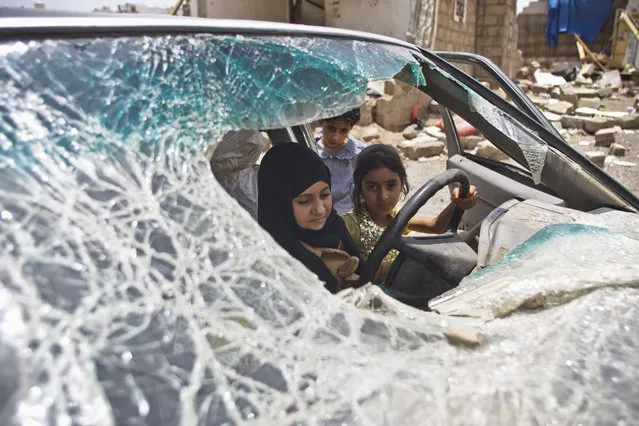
135,290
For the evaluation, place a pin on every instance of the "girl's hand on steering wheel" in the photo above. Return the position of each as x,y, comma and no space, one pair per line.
467,202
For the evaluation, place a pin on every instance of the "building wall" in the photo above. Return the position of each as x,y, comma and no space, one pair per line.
532,35
497,34
262,10
386,17
456,36
312,13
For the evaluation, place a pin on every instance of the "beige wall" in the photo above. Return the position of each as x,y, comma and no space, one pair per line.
456,36
386,17
262,10
497,34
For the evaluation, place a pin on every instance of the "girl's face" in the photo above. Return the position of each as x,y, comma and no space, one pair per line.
313,206
381,189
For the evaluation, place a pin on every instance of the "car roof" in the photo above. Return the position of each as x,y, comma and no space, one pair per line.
59,23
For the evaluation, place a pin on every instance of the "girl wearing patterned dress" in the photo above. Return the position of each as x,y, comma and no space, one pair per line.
379,181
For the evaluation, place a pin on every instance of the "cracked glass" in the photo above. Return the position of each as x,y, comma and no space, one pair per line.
135,291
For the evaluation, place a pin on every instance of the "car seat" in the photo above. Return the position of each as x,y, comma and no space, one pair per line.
233,163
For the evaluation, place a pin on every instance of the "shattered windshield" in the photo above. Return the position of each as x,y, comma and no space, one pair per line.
134,291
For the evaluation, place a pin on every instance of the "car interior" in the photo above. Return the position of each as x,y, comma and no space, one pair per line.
509,192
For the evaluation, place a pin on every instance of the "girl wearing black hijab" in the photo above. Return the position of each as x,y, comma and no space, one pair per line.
295,206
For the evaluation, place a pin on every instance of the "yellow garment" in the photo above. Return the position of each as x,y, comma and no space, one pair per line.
366,232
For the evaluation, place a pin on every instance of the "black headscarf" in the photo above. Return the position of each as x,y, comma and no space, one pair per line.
286,171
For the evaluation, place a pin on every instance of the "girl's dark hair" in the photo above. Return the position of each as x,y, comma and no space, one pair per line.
352,117
371,158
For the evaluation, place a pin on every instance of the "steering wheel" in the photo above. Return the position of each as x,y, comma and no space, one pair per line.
392,237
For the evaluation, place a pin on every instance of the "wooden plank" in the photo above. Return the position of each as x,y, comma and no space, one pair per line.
589,53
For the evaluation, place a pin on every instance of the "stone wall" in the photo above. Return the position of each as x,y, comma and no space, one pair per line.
456,35
532,35
497,34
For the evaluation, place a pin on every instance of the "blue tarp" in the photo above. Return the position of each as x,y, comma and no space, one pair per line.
582,17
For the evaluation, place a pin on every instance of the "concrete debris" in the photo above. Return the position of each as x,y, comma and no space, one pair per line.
551,116
549,79
604,92
589,102
572,121
585,143
393,112
586,111
366,111
435,132
560,107
469,143
610,78
370,134
486,149
422,146
540,88
593,124
617,150
597,157
607,137
629,121
615,161
539,101
410,132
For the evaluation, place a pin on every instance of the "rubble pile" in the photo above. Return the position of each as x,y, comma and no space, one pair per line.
584,100
580,100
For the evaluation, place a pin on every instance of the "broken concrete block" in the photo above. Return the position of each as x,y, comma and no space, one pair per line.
597,157
366,112
468,143
422,146
370,133
611,79
589,103
572,121
555,92
410,132
604,92
435,132
391,88
586,112
585,92
606,137
486,149
567,93
551,116
538,100
548,79
560,107
593,124
394,112
540,88
629,121
617,150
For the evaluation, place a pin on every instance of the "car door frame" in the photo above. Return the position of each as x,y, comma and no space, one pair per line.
455,98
